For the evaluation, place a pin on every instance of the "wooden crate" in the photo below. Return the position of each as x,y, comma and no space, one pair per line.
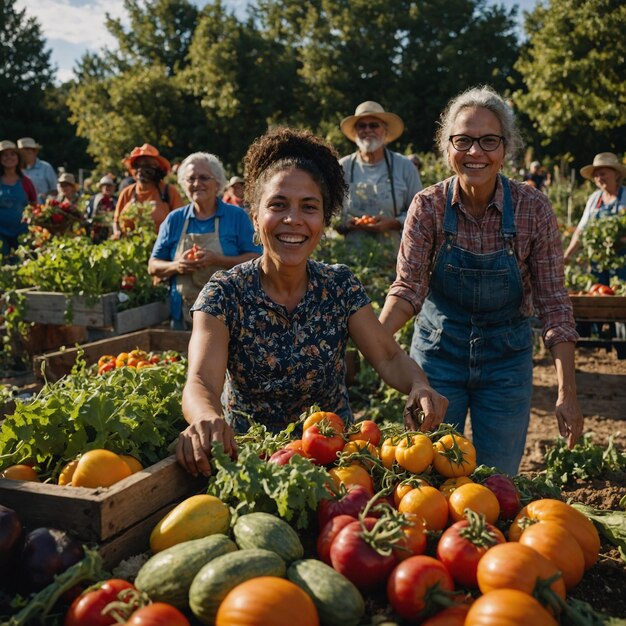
119,518
599,308
141,317
60,363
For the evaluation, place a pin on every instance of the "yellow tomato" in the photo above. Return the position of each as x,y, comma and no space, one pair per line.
132,462
67,473
476,497
454,456
100,468
20,472
427,503
354,474
388,452
414,453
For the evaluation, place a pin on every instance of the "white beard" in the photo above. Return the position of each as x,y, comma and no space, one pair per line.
369,144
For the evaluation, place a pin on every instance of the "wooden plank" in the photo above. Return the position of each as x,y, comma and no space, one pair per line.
47,307
100,514
599,308
141,317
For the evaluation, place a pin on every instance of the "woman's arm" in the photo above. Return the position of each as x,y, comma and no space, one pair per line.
202,408
573,245
396,313
207,257
397,369
568,413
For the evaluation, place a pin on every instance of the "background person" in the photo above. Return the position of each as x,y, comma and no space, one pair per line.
16,191
149,169
609,199
279,325
480,255
200,238
234,191
40,172
68,189
381,183
536,176
100,210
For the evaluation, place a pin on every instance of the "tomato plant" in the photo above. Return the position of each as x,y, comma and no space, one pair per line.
418,586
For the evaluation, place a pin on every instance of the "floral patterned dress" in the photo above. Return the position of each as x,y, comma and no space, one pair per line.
280,363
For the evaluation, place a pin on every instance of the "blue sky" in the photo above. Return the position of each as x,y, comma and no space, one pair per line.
72,27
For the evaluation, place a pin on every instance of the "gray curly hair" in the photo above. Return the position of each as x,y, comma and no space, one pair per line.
486,98
213,163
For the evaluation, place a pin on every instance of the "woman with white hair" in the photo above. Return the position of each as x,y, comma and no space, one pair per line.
480,255
201,237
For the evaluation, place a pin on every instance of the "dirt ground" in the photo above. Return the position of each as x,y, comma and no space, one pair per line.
601,385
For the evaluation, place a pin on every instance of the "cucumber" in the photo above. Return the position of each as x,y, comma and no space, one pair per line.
338,601
167,576
222,574
268,532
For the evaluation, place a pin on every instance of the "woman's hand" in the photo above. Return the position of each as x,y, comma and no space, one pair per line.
193,449
424,399
569,418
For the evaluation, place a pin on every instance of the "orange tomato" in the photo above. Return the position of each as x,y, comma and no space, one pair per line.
354,474
138,354
334,419
363,448
402,488
20,472
122,356
67,473
388,452
476,497
428,503
105,358
100,468
143,363
365,430
414,453
132,361
132,462
414,540
296,445
449,485
454,456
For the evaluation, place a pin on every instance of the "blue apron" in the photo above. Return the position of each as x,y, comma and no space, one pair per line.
475,345
611,210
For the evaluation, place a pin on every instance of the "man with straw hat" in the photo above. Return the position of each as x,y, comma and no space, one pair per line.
381,183
40,172
609,199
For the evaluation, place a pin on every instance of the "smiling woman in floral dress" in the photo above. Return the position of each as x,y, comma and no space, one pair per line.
480,255
278,326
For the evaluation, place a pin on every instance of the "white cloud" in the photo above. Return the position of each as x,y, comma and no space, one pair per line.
76,24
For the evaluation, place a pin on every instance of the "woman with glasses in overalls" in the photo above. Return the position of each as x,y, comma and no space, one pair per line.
480,255
200,238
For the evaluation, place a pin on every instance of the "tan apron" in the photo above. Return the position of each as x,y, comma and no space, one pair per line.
190,285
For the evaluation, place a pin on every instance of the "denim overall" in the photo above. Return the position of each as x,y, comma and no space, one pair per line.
474,344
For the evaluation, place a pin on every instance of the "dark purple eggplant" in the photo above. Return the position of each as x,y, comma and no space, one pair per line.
11,535
47,552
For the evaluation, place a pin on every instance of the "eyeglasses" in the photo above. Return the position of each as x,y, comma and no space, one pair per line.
203,178
488,143
371,125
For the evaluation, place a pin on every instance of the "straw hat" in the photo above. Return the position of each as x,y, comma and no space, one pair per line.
395,125
603,159
66,177
234,180
28,142
106,180
148,151
5,144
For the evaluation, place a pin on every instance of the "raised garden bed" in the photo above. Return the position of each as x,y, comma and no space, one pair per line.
599,308
119,518
60,363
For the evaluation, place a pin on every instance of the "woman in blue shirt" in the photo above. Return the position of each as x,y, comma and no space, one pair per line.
271,333
200,238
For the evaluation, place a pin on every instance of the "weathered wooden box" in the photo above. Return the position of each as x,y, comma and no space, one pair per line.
599,308
57,308
119,518
60,363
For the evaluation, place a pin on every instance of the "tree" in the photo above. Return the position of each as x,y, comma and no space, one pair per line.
25,70
573,71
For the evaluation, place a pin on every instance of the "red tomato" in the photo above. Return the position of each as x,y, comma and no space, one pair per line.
366,430
418,586
328,418
86,610
322,444
281,457
328,533
350,503
463,544
357,560
601,290
158,614
506,492
106,367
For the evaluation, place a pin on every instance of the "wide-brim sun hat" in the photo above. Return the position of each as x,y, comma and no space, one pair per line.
603,159
146,150
106,180
66,177
28,142
6,144
234,180
395,125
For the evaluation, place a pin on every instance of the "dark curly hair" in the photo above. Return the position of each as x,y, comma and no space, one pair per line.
280,149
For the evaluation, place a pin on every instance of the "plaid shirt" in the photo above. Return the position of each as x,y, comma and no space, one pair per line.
537,247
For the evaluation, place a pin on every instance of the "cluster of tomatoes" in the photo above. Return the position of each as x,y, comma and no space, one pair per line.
136,359
601,290
434,536
365,220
